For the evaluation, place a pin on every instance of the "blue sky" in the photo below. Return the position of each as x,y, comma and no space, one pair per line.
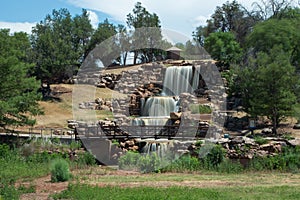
181,16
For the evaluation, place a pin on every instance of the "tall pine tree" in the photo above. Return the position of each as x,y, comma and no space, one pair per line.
18,92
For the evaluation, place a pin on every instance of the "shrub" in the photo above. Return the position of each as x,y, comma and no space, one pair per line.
144,163
201,109
184,163
129,160
229,166
260,140
85,159
148,163
60,171
8,190
214,157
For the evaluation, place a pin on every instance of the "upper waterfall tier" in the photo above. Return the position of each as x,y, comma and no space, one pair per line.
180,79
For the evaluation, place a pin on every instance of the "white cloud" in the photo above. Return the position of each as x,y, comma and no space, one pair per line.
94,18
18,26
200,21
182,16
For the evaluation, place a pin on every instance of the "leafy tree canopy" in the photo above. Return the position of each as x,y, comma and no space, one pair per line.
268,85
274,32
149,37
59,44
223,47
18,92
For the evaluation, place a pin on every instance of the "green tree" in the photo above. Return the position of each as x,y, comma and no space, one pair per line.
149,37
268,85
223,47
122,41
104,31
274,32
272,8
58,45
18,92
82,32
230,17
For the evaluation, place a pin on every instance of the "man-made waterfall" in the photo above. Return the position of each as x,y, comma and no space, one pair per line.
156,110
146,121
159,106
180,79
159,146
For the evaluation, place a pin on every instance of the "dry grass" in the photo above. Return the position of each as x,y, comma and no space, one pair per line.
60,109
121,69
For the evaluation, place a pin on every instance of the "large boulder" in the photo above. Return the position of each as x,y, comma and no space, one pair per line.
175,115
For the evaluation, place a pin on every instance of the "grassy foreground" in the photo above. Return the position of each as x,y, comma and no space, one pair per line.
78,191
104,183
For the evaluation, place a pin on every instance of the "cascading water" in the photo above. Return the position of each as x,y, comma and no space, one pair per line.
146,121
180,79
160,146
156,110
159,106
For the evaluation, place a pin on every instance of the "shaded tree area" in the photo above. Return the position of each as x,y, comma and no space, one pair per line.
59,44
150,36
18,91
260,48
267,85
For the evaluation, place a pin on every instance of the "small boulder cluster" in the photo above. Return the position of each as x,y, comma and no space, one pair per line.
98,104
108,80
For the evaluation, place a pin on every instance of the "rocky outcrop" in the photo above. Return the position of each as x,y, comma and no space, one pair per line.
98,104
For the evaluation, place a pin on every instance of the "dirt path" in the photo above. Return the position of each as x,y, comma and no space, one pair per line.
44,188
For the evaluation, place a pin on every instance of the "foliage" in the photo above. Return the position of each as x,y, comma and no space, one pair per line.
230,17
144,163
214,157
200,109
267,85
223,47
60,44
287,161
150,36
260,140
230,79
276,32
296,112
85,159
18,92
272,8
60,171
104,31
185,163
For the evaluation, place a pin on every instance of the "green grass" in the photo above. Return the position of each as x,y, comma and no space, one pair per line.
200,109
78,192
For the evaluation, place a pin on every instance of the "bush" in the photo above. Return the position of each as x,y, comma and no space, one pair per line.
184,163
148,163
129,160
200,109
260,140
214,157
144,163
229,166
85,159
8,191
60,171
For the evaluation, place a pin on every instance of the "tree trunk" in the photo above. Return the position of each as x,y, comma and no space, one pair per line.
275,121
135,57
124,58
